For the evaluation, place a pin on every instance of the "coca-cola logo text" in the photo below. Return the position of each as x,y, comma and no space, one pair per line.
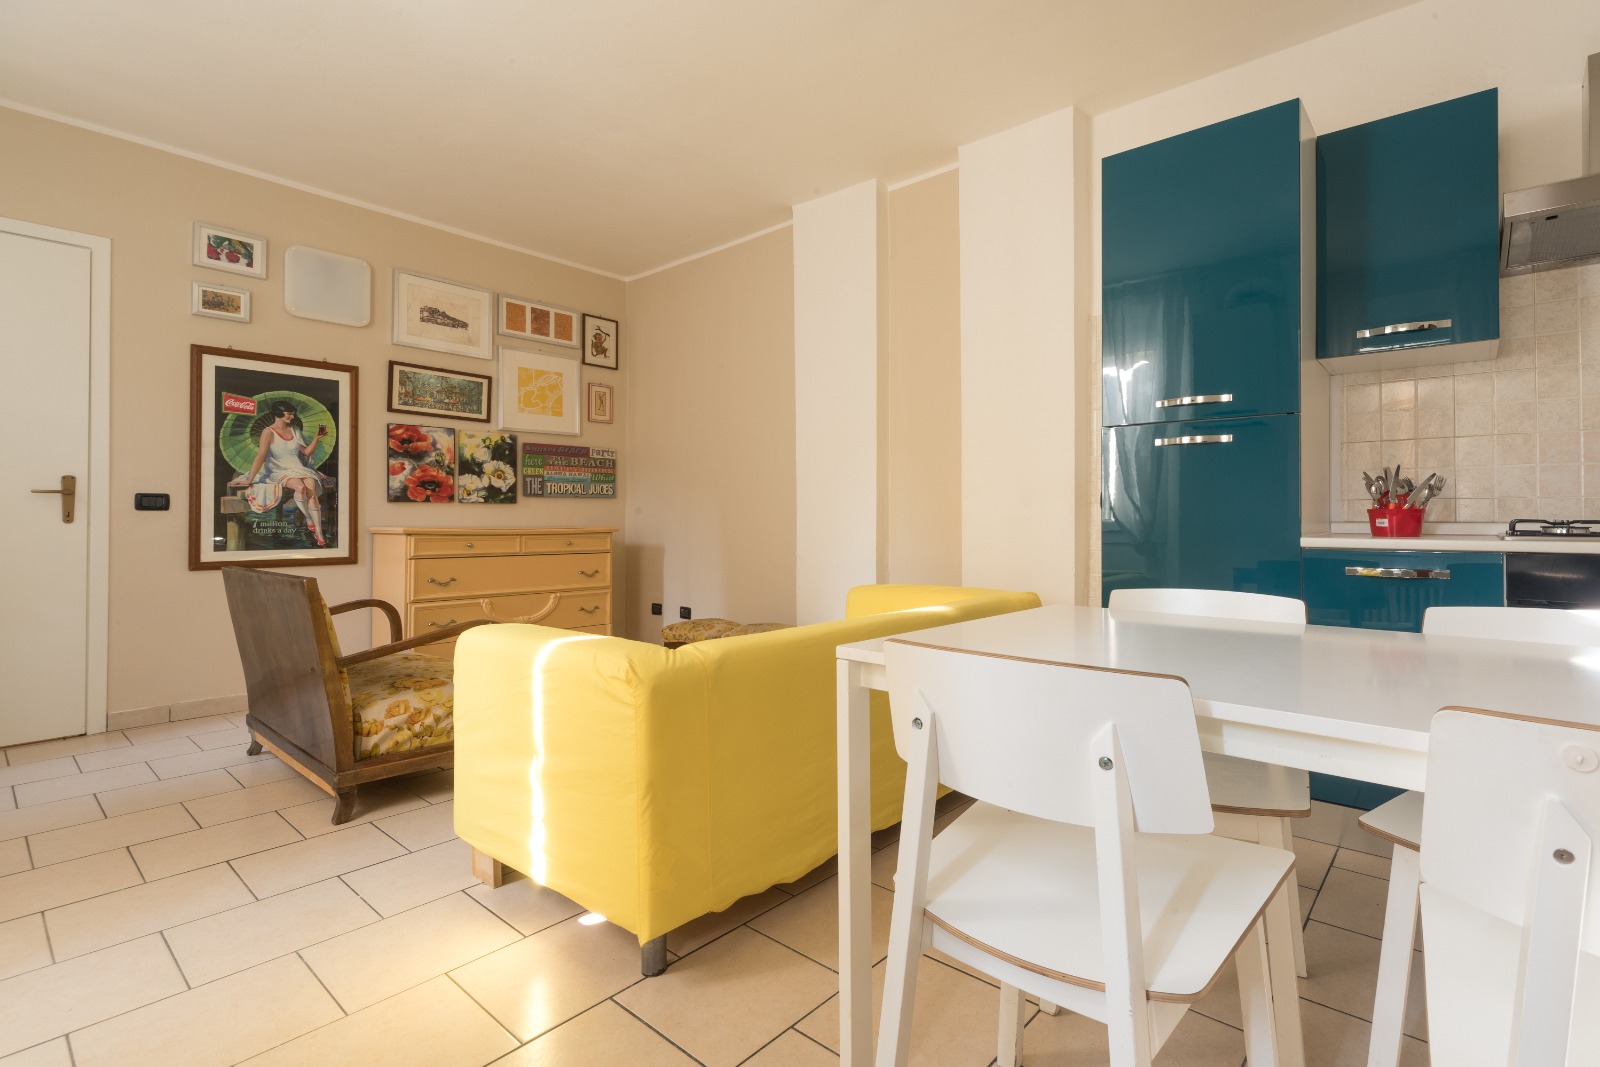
240,405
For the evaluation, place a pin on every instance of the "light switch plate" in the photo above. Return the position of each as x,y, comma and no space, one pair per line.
326,286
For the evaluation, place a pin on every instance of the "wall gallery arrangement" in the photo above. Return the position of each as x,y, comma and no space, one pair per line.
272,468
272,460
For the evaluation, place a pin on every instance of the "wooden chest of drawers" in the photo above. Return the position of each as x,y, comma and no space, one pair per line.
552,576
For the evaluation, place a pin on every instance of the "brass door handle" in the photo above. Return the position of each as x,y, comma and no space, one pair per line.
442,625
69,495
590,574
441,581
590,610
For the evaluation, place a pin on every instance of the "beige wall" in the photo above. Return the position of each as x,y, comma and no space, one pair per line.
170,639
709,409
919,393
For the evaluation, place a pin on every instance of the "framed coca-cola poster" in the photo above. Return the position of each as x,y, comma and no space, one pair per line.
272,463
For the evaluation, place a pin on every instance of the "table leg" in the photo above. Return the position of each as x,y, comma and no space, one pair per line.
855,868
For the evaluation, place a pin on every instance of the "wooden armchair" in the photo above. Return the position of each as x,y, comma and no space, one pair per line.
339,720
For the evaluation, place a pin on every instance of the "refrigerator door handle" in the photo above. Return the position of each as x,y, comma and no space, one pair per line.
1197,439
1190,401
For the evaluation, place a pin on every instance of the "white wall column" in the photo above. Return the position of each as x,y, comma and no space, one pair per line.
1023,214
840,254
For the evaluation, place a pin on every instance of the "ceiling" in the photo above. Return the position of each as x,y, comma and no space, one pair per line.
619,135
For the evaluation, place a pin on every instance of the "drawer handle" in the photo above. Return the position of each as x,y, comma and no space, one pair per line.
1190,401
567,542
1396,572
441,581
1404,327
1197,439
590,610
590,574
469,544
442,625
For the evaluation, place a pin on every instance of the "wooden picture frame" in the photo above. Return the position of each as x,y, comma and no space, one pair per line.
540,392
600,403
601,346
536,321
237,253
256,497
442,316
219,302
451,394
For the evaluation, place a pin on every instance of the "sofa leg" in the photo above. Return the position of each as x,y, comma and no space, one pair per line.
488,870
653,956
344,806
254,748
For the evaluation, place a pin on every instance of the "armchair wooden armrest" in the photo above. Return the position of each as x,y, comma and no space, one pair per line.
442,634
384,606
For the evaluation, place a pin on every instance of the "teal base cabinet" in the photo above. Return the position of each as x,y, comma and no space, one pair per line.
1389,590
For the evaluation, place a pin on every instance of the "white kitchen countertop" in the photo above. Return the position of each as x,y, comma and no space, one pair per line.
1431,542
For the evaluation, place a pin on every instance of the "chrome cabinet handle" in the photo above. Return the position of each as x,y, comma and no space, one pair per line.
442,625
1190,401
1395,572
1197,439
441,581
1404,327
590,574
68,493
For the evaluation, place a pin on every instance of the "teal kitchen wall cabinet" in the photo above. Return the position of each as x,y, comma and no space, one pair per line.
1204,261
1408,232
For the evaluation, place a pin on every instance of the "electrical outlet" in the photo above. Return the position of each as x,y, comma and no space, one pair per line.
685,613
655,609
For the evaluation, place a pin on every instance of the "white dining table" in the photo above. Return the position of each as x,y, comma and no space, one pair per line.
1355,703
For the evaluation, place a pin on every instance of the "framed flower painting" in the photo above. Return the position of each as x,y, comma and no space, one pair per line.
486,469
422,464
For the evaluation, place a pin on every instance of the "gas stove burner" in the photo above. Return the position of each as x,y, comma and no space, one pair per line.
1553,528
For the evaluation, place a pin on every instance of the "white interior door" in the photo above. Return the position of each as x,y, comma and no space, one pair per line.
45,316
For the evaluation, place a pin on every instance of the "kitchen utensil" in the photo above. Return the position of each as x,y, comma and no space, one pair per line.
1407,486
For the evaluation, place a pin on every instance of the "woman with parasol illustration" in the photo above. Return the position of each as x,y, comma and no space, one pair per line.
282,461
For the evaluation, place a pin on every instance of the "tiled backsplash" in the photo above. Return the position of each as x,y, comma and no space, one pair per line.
1517,436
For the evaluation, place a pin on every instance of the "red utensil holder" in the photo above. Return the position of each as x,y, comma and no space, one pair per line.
1395,522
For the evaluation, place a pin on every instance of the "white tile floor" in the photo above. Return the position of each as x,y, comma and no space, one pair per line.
167,900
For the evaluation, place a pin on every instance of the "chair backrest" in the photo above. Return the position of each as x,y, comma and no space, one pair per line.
1508,867
1214,603
286,647
1027,735
1549,626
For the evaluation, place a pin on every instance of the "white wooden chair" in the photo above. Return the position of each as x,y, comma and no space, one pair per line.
1510,894
1252,801
1086,874
1399,821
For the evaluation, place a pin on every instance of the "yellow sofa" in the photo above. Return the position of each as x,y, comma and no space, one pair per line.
653,786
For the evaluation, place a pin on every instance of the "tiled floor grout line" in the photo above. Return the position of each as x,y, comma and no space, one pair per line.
646,1023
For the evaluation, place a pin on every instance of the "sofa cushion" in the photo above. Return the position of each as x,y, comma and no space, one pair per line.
401,703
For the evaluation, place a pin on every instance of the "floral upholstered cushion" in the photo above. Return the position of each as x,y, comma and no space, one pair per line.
401,703
682,633
756,628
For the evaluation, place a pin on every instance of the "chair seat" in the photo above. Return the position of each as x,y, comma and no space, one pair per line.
401,703
1025,889
1245,787
1398,820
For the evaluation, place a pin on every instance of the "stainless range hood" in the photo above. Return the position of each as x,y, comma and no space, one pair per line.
1558,225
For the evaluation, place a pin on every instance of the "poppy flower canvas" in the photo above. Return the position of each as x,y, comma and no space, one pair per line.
422,464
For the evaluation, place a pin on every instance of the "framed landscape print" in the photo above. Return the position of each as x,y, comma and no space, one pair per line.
237,253
422,464
442,316
219,302
599,402
486,470
600,342
537,322
272,460
416,390
539,392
